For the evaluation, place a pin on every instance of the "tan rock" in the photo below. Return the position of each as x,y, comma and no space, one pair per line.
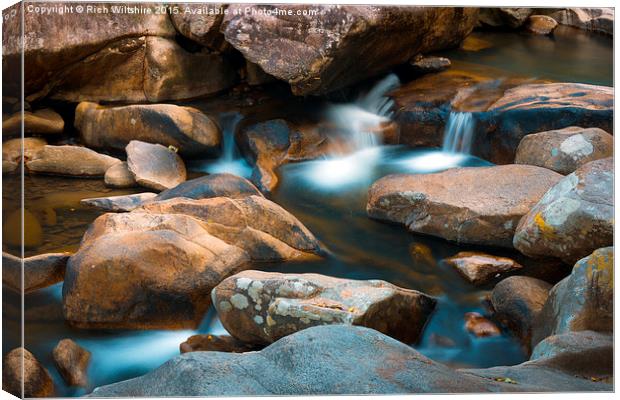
203,28
155,166
21,364
42,122
119,176
540,24
223,343
12,151
71,161
119,203
39,271
72,362
480,268
480,326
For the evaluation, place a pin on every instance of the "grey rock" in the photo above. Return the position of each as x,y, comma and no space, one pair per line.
215,185
119,203
119,176
155,166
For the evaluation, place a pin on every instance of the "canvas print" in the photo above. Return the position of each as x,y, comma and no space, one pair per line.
206,199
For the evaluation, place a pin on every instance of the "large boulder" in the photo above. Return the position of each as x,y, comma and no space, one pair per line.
20,367
262,307
337,359
317,55
590,19
504,17
215,185
38,271
72,362
517,301
186,128
565,150
582,301
70,161
155,267
155,166
577,343
466,205
40,122
201,23
575,217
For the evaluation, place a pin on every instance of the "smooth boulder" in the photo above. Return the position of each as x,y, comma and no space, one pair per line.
20,367
186,128
590,19
155,166
72,362
262,307
39,271
481,268
70,161
540,24
41,122
575,217
13,149
466,205
119,176
119,203
565,150
214,185
581,301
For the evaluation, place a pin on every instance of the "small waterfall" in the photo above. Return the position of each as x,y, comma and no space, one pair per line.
459,133
230,161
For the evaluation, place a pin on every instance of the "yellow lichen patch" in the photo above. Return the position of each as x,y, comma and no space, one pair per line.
601,263
545,229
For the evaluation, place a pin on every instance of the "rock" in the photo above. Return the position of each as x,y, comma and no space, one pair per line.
582,301
575,217
255,75
119,176
262,307
20,364
540,24
517,302
41,122
590,19
361,361
565,150
203,28
459,204
70,160
223,343
317,55
504,17
12,230
12,152
424,65
155,267
72,362
597,346
480,326
39,271
186,128
119,203
480,268
215,185
155,166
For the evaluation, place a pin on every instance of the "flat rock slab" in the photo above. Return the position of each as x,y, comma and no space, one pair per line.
39,271
215,185
19,366
155,166
41,122
70,161
119,176
223,343
262,307
481,268
337,359
72,362
565,150
119,203
574,218
466,205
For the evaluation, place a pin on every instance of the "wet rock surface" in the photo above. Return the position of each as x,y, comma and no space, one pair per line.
155,166
425,65
362,361
119,203
19,365
565,150
224,343
459,204
39,271
481,268
573,218
70,161
578,343
203,28
261,307
215,185
479,326
72,362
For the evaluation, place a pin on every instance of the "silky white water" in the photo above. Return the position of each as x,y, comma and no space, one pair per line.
459,133
230,161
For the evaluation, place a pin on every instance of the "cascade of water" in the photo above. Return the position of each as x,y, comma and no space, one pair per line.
230,161
229,124
459,133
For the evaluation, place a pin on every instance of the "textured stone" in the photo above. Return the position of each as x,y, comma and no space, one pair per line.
215,185
203,28
481,268
223,343
119,203
480,326
119,176
21,364
40,271
155,166
504,17
70,160
540,24
72,362
12,152
42,122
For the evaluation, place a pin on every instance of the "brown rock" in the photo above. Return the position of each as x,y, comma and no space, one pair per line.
540,24
12,152
215,185
39,271
261,307
517,302
480,268
12,229
119,176
425,65
461,204
37,381
223,343
70,160
565,150
119,203
155,166
508,17
41,122
185,128
203,28
590,19
72,362
480,326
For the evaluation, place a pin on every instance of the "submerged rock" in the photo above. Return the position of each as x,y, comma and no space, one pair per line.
360,361
262,307
517,302
39,271
424,65
155,166
119,203
72,362
215,185
582,301
70,160
20,363
540,24
185,128
575,217
40,122
480,268
119,176
223,343
480,326
461,204
12,152
317,55
565,150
